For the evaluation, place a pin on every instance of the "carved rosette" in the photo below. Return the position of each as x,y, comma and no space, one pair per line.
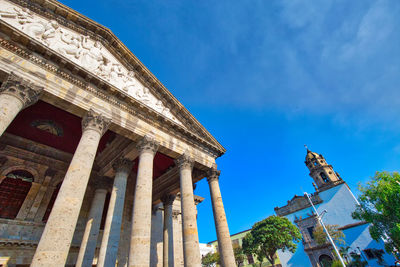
185,161
147,144
95,121
27,92
168,199
122,165
213,175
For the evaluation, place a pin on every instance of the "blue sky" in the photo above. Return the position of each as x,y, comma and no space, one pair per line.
266,77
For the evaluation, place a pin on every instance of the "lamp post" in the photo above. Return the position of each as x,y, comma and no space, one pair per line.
326,231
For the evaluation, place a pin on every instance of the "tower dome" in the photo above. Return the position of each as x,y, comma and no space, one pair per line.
321,172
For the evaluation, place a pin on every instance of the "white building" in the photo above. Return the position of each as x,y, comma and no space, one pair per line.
333,195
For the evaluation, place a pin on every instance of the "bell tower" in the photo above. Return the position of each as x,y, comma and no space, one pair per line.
322,173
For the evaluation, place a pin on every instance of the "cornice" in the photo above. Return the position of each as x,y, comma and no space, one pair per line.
108,93
72,19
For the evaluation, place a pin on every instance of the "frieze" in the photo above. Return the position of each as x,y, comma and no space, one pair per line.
84,51
52,10
129,107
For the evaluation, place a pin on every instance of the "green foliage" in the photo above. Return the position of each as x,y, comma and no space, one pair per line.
269,235
356,260
210,259
344,252
380,206
336,263
321,238
239,256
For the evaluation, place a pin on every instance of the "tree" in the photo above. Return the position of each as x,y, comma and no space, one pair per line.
239,256
250,248
269,235
380,206
210,260
356,260
321,238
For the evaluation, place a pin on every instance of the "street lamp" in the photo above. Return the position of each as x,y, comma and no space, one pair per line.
319,217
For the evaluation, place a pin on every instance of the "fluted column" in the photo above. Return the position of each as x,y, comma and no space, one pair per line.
57,236
15,95
191,250
168,236
139,253
221,225
89,240
112,229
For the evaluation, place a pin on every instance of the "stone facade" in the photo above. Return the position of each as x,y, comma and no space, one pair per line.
91,143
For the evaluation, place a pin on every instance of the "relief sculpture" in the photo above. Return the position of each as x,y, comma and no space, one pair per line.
82,50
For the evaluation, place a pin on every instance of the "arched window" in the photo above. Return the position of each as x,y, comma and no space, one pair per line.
324,178
325,260
13,191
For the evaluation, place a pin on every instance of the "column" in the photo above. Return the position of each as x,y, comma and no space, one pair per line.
57,236
221,225
28,202
112,229
15,95
38,199
139,252
44,204
168,236
89,240
191,250
124,241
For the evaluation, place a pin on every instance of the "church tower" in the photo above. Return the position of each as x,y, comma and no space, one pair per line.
322,173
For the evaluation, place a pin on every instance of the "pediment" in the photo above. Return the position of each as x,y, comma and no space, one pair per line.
84,51
97,51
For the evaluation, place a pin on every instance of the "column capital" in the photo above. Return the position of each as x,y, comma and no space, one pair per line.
147,144
168,199
95,121
185,161
101,183
27,92
213,174
122,164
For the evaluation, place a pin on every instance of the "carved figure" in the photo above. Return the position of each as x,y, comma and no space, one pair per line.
92,56
116,73
104,69
159,106
72,45
130,84
144,95
22,15
43,31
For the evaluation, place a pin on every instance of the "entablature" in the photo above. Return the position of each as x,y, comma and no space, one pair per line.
76,46
129,119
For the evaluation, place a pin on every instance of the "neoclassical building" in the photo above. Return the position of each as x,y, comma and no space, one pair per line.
97,158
